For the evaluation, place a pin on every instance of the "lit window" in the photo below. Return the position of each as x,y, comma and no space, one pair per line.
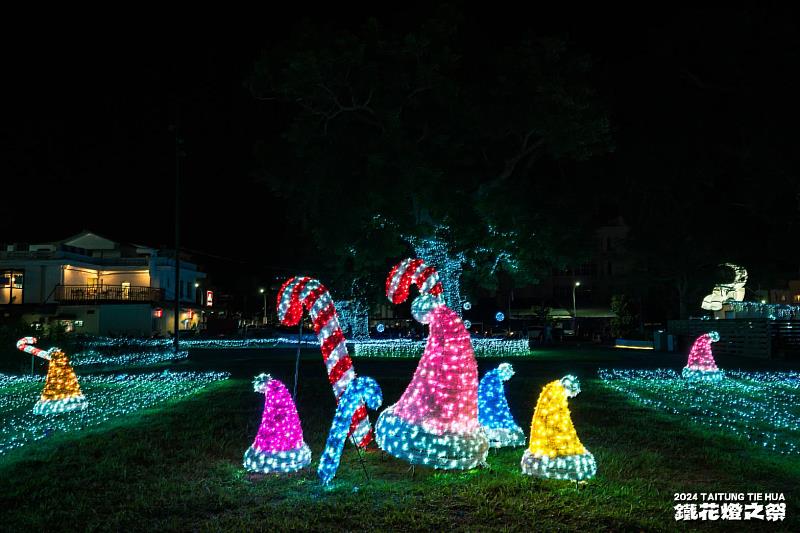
12,283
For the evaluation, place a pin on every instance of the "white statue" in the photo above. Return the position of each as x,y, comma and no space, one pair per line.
727,291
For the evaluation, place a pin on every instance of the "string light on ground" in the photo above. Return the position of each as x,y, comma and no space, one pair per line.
362,391
261,342
279,445
405,348
555,451
493,411
112,395
61,393
701,365
484,347
757,406
131,358
435,422
788,380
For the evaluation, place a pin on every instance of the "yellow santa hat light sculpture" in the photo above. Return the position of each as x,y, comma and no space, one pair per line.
555,451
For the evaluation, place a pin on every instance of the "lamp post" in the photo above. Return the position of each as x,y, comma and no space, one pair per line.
574,307
264,294
199,301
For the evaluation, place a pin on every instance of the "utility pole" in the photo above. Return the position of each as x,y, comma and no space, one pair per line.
177,317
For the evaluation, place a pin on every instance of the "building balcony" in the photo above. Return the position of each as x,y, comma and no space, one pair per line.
83,294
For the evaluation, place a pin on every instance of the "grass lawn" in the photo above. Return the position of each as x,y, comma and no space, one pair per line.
179,466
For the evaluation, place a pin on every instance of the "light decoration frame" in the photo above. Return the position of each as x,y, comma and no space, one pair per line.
726,292
62,392
701,365
555,451
113,396
758,407
302,292
765,310
494,413
435,421
361,391
279,446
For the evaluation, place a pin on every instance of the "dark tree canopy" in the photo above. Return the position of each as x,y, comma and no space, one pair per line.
714,180
393,134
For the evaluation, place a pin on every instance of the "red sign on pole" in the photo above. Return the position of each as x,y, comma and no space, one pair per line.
209,298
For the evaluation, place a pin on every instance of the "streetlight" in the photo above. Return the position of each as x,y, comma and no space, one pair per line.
265,304
574,308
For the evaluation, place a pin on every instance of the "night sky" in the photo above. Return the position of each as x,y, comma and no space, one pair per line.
86,130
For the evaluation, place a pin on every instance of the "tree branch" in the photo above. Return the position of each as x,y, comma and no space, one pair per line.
525,150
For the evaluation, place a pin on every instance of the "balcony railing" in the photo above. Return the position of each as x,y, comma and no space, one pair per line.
106,293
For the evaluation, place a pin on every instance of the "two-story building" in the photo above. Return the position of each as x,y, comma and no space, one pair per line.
95,285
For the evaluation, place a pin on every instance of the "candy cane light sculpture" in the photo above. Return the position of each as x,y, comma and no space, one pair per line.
304,292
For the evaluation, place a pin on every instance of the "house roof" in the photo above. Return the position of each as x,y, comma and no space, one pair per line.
91,240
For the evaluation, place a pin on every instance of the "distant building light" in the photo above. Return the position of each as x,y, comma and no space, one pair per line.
158,313
500,316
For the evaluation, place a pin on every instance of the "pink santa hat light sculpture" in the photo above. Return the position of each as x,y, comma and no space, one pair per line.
279,445
435,422
701,365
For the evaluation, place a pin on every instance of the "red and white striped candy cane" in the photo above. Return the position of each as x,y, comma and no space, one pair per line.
299,292
410,271
25,343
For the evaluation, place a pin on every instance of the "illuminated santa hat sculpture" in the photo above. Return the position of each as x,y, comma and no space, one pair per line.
555,451
61,392
493,411
701,365
279,445
435,422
